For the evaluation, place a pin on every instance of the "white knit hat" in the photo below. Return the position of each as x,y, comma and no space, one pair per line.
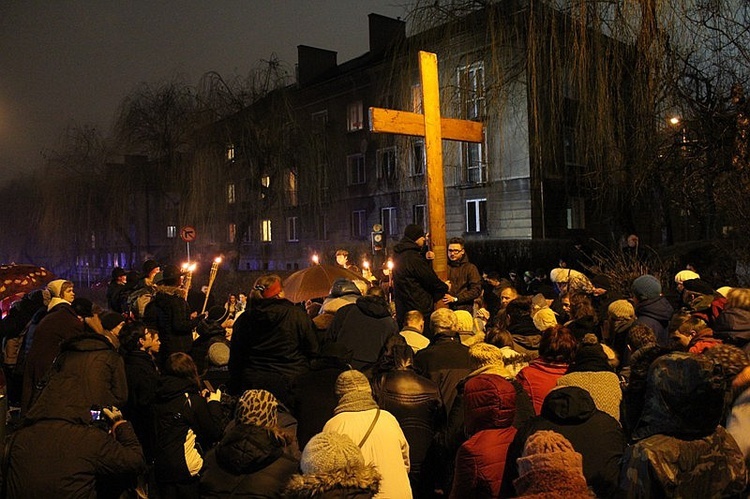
330,451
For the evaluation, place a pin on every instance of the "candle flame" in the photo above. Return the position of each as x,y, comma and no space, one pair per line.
217,259
315,259
390,264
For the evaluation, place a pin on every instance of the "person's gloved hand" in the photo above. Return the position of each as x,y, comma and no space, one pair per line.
113,414
215,396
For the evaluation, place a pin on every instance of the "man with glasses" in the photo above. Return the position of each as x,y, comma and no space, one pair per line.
464,278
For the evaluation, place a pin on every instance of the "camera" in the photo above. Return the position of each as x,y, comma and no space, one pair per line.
96,413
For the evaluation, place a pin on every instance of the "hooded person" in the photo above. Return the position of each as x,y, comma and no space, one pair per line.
375,431
363,328
343,292
680,450
60,324
591,370
551,468
489,412
333,466
651,308
416,286
170,314
251,459
209,331
597,436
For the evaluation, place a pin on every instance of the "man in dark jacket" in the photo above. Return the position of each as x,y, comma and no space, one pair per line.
115,297
58,454
362,328
446,361
415,284
651,308
465,280
169,311
571,412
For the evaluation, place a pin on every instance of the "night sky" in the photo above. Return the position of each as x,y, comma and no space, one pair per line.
72,62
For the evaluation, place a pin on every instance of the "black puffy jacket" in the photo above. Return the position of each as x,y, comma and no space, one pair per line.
415,284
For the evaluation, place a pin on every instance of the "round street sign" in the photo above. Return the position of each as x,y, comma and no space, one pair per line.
188,234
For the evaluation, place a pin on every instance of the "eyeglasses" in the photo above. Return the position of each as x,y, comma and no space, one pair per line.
455,250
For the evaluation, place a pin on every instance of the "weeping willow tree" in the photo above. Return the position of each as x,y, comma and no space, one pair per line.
240,151
76,198
600,80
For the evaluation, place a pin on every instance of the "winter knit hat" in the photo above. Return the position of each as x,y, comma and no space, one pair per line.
217,313
621,309
218,354
328,452
646,287
724,290
685,275
354,392
484,355
110,320
590,356
549,463
544,319
413,232
257,407
465,321
698,286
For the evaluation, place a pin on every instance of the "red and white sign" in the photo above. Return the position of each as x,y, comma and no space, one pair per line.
188,234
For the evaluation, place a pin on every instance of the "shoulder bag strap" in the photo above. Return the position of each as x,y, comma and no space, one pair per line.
369,430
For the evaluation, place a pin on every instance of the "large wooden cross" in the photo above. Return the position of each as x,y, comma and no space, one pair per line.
434,129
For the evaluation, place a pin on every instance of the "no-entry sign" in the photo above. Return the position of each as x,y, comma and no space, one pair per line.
188,234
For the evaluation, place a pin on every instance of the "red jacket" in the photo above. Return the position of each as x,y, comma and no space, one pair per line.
538,379
490,406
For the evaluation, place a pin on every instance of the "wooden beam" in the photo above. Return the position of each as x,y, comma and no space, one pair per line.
407,123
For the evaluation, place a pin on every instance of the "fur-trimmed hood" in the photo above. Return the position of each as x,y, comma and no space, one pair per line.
348,482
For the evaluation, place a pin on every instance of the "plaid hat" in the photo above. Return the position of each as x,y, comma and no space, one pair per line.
329,452
646,287
257,407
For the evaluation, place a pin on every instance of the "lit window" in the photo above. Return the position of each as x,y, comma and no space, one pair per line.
354,117
386,162
356,169
471,90
417,158
265,184
388,220
230,194
230,152
265,231
476,215
358,223
232,236
171,231
291,229
290,187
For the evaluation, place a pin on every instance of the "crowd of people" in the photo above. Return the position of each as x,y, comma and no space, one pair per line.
544,383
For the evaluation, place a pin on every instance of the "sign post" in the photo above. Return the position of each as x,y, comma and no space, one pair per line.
188,235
